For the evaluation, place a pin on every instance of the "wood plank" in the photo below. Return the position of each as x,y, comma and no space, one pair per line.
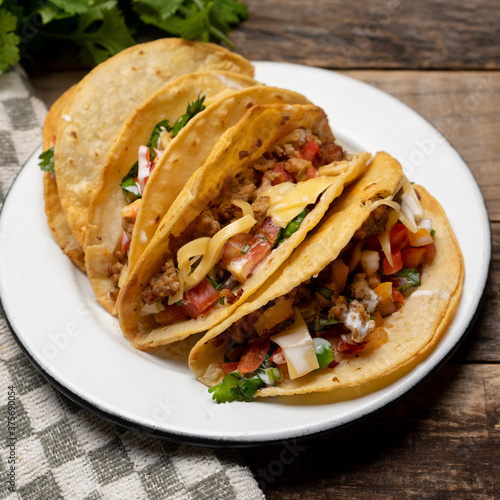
375,34
463,106
441,441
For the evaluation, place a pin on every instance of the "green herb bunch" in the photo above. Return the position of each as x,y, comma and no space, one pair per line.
102,28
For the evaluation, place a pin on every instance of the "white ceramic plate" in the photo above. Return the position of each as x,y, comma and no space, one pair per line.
53,314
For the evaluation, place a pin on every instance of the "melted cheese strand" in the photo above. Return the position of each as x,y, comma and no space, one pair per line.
213,250
245,207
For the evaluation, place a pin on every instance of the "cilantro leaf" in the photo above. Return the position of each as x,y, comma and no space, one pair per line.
160,8
155,137
101,33
47,160
235,387
9,41
192,110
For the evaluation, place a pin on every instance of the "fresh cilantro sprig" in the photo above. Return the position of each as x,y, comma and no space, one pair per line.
130,189
102,28
47,160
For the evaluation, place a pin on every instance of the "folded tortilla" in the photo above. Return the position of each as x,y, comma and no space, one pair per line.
56,219
104,226
412,331
102,101
256,134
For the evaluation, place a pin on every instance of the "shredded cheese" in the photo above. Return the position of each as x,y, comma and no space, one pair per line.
289,199
297,344
244,205
209,250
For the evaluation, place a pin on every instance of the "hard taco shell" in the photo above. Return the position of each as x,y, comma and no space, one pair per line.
257,132
413,330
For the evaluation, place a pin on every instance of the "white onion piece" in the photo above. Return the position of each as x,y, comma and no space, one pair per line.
143,166
425,224
355,256
385,243
370,261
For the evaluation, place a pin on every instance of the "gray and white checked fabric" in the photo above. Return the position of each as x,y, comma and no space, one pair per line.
63,451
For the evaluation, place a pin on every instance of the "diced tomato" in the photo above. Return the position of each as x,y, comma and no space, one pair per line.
253,356
260,247
269,229
399,237
243,265
372,243
311,172
310,151
421,238
125,242
233,248
282,174
413,257
200,299
278,357
430,251
229,367
397,296
355,348
397,263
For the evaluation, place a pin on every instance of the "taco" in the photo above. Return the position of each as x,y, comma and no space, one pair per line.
369,292
138,147
103,100
267,182
118,231
56,219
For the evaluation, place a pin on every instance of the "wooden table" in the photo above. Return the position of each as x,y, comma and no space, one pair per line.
442,59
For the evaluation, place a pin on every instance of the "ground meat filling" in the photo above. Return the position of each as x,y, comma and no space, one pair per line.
162,285
331,152
374,224
247,186
361,291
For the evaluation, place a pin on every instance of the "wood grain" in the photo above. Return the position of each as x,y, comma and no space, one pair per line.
429,34
441,442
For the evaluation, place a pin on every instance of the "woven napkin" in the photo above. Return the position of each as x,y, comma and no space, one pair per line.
61,450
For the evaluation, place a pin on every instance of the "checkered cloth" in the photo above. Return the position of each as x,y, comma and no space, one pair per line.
63,451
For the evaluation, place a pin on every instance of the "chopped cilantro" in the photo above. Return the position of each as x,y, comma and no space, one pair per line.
325,292
192,110
47,160
217,286
412,277
291,228
235,387
433,232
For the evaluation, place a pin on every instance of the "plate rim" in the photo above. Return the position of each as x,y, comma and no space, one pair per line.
248,441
